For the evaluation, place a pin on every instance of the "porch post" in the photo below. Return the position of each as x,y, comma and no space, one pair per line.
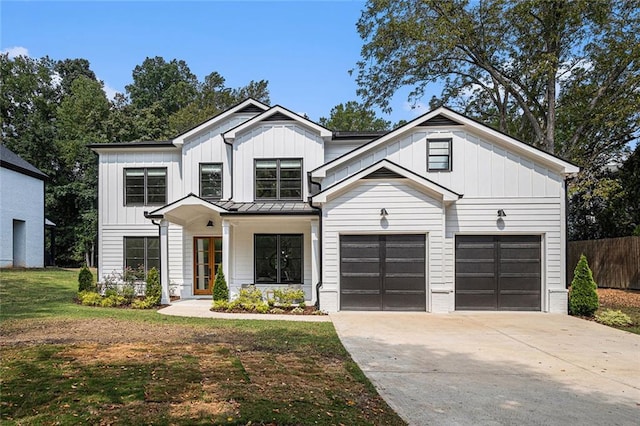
315,258
226,243
164,261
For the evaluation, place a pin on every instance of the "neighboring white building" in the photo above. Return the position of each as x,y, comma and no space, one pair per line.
441,214
22,219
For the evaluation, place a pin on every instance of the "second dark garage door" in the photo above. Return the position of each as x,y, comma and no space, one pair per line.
382,272
498,272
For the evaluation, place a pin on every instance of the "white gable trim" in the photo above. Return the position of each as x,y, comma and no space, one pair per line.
447,194
180,139
189,200
506,141
230,135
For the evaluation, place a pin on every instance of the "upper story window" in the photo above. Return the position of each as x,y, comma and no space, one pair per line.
211,181
145,186
439,155
279,179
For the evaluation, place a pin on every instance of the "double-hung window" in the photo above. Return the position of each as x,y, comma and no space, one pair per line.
439,155
145,186
278,179
142,253
211,181
278,258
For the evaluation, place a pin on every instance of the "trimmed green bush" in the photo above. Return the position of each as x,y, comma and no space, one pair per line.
90,298
140,304
614,318
220,288
85,280
583,297
153,293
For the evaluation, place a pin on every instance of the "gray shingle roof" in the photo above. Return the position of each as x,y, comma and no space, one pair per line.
10,160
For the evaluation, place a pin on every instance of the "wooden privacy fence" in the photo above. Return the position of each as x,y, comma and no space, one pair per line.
615,262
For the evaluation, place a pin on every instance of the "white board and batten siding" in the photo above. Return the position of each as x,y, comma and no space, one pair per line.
490,176
208,146
116,220
357,211
273,140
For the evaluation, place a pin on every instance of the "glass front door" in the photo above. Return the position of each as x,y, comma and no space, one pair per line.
207,253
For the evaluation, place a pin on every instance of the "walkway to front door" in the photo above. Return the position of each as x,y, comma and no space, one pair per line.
207,256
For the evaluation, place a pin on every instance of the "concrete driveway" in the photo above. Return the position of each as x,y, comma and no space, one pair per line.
497,368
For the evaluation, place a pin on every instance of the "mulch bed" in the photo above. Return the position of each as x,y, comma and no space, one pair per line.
617,297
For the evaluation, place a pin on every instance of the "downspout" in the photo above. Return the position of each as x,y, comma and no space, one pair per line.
319,210
152,217
230,168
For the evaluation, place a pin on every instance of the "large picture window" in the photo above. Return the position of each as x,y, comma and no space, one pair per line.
279,179
145,186
142,252
211,181
278,258
439,155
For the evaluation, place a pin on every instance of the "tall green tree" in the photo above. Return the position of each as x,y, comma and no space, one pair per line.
352,116
28,103
81,119
528,66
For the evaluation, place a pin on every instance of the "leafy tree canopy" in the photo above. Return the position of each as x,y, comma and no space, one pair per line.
562,75
352,117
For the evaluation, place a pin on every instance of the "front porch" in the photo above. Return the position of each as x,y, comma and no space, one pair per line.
272,245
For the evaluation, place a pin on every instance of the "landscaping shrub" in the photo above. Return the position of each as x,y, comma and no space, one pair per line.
140,304
583,297
220,288
288,296
112,301
90,298
153,293
220,305
85,280
614,318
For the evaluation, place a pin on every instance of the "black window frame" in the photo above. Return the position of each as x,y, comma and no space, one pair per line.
221,181
278,196
278,262
145,259
449,155
145,201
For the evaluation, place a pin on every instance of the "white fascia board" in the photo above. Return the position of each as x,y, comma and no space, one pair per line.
189,200
130,149
447,195
508,142
179,140
501,138
231,134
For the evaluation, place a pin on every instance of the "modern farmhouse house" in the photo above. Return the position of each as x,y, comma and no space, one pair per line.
440,214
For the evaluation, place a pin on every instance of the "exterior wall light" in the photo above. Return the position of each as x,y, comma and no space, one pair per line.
210,224
501,213
383,212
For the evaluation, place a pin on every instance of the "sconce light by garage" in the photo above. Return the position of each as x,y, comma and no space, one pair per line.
210,224
501,213
383,212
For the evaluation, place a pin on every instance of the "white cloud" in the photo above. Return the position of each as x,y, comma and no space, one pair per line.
15,51
109,91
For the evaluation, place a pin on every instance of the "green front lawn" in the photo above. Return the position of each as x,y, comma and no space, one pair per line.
63,363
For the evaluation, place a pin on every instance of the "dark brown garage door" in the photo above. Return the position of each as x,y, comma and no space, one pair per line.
382,272
498,272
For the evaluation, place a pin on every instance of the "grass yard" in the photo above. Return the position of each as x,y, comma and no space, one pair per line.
64,363
627,301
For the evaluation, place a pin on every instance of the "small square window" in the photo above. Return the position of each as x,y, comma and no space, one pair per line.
439,156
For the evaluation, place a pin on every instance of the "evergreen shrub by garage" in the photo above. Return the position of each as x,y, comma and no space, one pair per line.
583,297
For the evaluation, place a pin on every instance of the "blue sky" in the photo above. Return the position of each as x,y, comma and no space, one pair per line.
304,49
